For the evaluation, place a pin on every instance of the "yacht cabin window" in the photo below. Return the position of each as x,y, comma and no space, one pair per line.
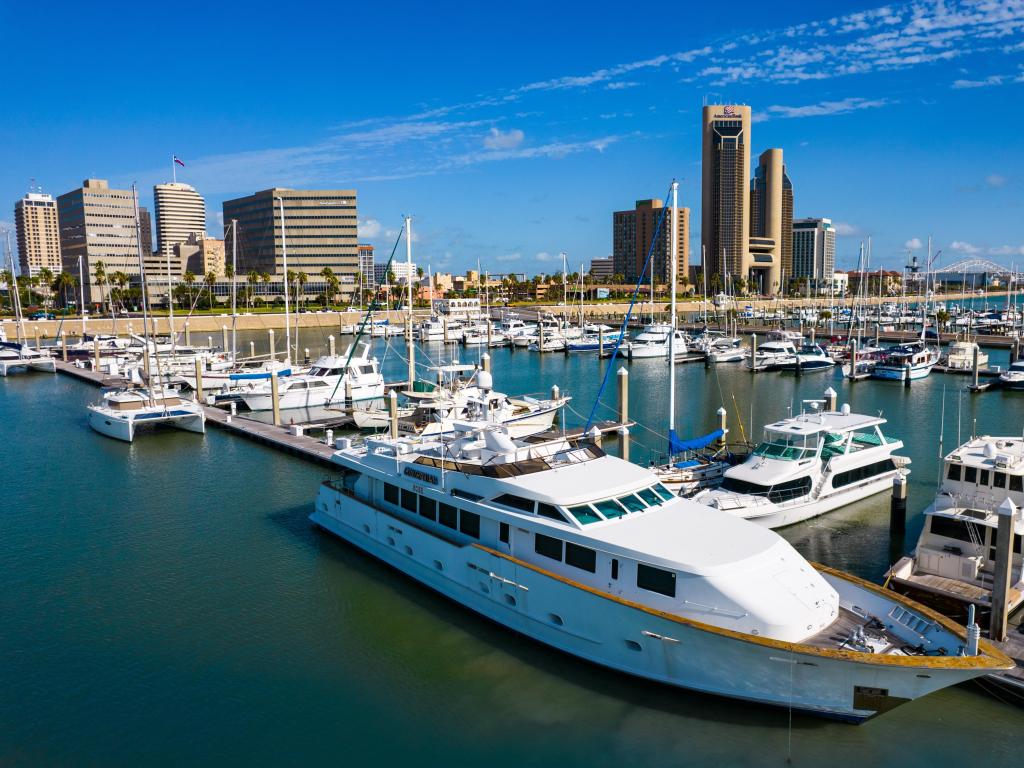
585,514
428,508
1016,483
503,533
983,480
583,558
448,516
469,523
390,493
999,480
656,580
970,474
547,546
548,510
953,473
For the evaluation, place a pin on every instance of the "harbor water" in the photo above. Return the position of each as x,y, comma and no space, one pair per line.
168,601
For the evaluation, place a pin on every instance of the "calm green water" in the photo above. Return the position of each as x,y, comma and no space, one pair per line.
168,602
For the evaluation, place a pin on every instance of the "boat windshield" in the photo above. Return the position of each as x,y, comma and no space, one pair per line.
786,450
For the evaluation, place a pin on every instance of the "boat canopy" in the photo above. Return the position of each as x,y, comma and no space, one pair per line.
675,445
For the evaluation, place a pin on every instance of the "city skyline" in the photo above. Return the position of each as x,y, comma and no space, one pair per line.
882,114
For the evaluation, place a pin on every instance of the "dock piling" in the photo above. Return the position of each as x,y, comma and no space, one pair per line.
600,341
393,413
224,338
329,437
188,334
275,402
96,353
898,506
723,422
853,359
199,380
555,392
330,344
252,349
831,399
485,362
974,368
38,344
906,375
305,355
753,353
273,351
1007,513
64,346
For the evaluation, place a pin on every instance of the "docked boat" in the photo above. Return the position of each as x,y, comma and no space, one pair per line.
953,564
594,342
353,376
121,412
809,358
771,355
808,465
906,361
1013,377
960,356
592,556
481,338
653,341
15,356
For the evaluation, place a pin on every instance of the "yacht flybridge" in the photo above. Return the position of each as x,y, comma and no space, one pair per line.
808,465
954,562
591,555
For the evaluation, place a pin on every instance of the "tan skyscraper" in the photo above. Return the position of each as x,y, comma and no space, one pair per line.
180,214
632,233
771,224
38,229
725,191
98,223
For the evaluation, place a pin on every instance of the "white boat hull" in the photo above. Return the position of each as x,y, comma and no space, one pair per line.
125,425
601,628
305,398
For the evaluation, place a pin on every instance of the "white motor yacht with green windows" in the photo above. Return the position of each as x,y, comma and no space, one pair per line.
591,555
808,465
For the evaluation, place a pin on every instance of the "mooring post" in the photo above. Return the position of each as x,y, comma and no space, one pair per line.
224,338
831,399
393,413
906,375
898,506
64,346
753,352
199,380
1007,513
252,349
595,435
305,355
723,424
275,402
489,331
330,344
485,362
96,355
853,359
444,326
146,363
329,437
209,342
273,352
623,376
348,392
556,393
600,340
974,366
188,335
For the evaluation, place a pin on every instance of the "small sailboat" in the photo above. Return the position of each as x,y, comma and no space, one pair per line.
18,355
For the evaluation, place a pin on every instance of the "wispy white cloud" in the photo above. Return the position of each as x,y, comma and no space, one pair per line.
1006,250
498,139
509,257
913,244
621,85
845,229
984,83
995,180
840,107
610,73
369,228
963,247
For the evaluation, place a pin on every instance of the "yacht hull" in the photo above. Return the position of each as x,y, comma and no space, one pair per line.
607,630
262,401
125,426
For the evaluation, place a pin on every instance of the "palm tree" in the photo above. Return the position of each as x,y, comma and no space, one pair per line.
46,278
300,285
8,278
189,279
210,280
253,278
64,281
328,275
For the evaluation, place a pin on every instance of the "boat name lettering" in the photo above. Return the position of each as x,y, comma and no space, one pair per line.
420,475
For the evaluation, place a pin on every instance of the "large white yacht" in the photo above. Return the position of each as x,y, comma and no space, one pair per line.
592,556
808,465
329,380
952,566
653,341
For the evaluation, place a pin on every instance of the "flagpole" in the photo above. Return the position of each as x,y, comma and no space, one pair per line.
174,169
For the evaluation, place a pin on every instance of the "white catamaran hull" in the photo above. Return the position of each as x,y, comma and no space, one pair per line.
604,629
124,425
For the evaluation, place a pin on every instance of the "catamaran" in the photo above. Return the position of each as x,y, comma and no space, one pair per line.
808,465
592,556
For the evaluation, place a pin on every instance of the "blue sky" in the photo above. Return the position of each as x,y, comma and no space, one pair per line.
511,133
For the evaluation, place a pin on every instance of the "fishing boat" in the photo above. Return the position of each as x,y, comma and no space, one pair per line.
906,361
592,556
953,563
810,464
353,376
960,356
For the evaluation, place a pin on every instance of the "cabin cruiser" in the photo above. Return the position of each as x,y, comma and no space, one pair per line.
109,346
481,338
121,412
331,379
906,361
810,357
594,341
434,330
1013,377
960,356
246,374
437,414
771,355
653,341
953,564
808,465
593,556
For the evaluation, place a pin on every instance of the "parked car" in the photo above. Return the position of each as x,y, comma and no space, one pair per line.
42,315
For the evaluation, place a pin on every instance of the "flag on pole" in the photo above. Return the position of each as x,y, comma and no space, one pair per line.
178,161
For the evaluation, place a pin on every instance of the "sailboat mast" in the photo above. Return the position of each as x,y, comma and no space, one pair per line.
145,300
170,306
81,294
15,292
234,291
284,265
674,269
410,346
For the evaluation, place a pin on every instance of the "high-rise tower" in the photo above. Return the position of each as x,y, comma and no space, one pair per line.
725,192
